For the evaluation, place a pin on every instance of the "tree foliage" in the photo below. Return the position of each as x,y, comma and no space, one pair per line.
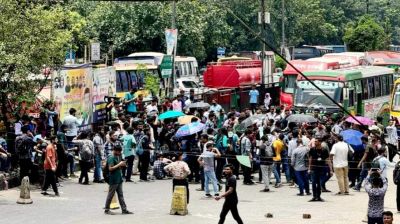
366,35
33,38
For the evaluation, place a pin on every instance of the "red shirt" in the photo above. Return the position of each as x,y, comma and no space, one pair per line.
51,157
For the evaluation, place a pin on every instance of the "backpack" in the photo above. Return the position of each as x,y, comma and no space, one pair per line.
139,146
86,153
375,163
396,173
21,147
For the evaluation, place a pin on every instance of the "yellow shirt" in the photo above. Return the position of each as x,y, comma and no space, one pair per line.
278,147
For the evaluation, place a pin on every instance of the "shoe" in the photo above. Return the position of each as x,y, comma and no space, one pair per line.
346,193
278,185
45,193
320,199
57,194
126,212
85,183
216,195
356,189
325,190
312,200
352,185
208,195
300,194
308,193
129,181
248,183
339,193
108,212
264,190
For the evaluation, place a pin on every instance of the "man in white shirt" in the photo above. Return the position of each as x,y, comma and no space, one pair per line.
392,139
152,107
339,157
72,123
215,107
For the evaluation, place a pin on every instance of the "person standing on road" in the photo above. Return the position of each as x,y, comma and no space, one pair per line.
376,187
339,156
245,148
266,153
366,160
318,159
115,164
72,123
230,195
129,143
392,142
206,160
86,152
299,159
179,171
50,166
98,142
278,146
253,98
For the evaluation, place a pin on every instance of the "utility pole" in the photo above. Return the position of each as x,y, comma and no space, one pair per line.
173,26
283,29
262,29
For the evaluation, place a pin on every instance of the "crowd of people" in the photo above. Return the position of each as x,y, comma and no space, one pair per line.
135,141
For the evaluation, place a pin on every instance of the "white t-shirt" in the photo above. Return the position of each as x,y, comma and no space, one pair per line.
150,108
340,152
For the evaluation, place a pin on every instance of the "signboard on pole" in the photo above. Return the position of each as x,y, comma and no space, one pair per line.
95,51
220,52
166,66
171,38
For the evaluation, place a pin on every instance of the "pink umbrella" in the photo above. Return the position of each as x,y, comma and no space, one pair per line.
363,120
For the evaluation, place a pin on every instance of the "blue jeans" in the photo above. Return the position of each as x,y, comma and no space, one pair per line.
316,176
286,168
363,175
302,181
276,169
97,176
210,175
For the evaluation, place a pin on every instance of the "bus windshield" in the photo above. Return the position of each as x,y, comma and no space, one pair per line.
308,96
290,83
128,79
396,98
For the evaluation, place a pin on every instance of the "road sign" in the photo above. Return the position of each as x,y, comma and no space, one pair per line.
221,51
95,51
166,66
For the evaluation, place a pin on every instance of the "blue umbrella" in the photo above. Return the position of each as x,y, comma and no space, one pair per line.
353,138
170,114
190,129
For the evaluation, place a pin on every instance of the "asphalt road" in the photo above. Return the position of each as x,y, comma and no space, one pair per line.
151,202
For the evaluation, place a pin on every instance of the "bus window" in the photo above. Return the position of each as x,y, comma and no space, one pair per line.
118,82
190,65
371,89
365,89
134,80
351,97
384,86
377,87
124,81
290,84
358,86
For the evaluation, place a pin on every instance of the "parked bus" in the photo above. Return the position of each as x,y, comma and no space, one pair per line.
362,90
306,52
395,101
288,80
129,71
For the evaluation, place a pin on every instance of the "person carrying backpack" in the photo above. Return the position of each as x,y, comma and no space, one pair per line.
23,147
86,155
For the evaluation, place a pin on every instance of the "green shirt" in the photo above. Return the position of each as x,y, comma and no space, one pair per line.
129,144
116,175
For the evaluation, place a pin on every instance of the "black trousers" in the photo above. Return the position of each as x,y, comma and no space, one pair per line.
392,151
230,206
183,182
194,167
25,166
398,197
127,171
220,166
50,179
85,167
246,174
144,162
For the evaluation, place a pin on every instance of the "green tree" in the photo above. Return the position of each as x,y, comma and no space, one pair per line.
366,35
32,39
